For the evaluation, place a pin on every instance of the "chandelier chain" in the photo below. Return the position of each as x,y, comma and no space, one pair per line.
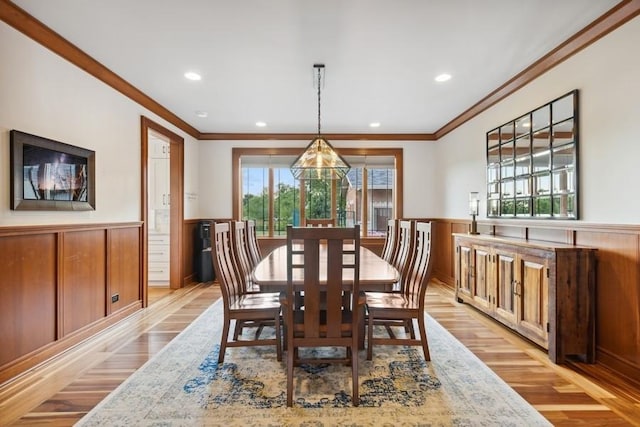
319,73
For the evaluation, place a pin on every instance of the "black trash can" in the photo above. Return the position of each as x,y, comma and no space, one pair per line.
202,252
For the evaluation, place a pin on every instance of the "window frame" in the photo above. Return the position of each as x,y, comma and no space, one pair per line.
236,188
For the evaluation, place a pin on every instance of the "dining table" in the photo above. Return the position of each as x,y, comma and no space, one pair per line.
376,274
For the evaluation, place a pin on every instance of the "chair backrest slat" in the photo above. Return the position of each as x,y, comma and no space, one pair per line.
241,250
320,222
227,272
252,240
390,240
404,246
420,266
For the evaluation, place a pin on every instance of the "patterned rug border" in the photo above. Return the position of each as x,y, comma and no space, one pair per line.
472,393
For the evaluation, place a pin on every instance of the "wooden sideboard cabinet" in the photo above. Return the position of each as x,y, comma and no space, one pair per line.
544,291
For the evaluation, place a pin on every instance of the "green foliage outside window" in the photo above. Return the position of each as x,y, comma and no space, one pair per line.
345,204
285,208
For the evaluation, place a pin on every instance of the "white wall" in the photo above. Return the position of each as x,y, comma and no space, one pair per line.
192,185
421,192
439,176
42,94
607,75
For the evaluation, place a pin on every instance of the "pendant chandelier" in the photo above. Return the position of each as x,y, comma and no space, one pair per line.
319,160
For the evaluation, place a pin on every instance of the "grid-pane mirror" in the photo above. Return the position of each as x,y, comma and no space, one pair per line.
532,163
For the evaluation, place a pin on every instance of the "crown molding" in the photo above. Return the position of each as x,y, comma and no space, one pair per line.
615,17
309,136
36,30
39,32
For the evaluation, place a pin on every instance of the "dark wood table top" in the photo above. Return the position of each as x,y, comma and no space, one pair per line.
375,273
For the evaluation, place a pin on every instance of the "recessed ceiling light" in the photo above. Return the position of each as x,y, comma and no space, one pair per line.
192,76
202,114
443,77
261,124
374,124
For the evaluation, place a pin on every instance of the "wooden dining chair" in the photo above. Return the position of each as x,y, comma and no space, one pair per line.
255,256
403,232
398,308
329,321
239,305
240,249
320,222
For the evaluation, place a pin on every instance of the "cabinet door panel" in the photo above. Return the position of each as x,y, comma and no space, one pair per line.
158,149
533,290
463,265
481,290
159,184
505,296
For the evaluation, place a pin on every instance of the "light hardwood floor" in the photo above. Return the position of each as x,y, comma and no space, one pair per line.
60,392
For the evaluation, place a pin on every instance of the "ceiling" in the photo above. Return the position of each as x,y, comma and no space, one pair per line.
256,57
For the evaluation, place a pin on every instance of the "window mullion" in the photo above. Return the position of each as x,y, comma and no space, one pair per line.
271,202
334,201
303,196
365,201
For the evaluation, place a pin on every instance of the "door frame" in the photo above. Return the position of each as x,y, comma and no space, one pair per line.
176,204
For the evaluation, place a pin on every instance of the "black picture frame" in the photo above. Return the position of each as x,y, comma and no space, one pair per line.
50,175
532,163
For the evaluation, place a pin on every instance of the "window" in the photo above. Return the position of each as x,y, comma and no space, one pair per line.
266,192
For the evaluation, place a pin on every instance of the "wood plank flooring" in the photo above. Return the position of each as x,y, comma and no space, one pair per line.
61,391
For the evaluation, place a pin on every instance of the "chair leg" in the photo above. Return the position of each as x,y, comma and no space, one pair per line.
408,328
390,332
370,337
423,336
259,330
284,335
223,340
411,330
290,357
237,330
361,327
354,372
278,338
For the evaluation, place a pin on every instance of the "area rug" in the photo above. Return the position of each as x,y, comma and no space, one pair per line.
183,385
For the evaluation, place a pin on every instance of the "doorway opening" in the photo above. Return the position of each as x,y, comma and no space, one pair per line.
158,213
162,208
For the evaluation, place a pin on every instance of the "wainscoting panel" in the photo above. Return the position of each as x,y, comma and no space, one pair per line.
28,289
123,268
550,235
83,290
443,248
618,301
56,283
